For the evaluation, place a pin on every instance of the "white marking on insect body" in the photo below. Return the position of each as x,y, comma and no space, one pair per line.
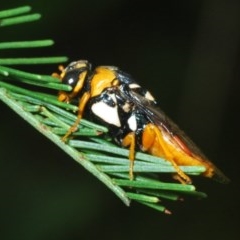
134,85
106,113
126,107
132,123
149,96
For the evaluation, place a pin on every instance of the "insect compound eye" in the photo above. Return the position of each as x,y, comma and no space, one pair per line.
73,72
71,77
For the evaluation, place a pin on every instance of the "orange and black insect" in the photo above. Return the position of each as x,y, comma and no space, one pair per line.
113,98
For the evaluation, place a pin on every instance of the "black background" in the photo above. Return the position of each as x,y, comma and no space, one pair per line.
187,54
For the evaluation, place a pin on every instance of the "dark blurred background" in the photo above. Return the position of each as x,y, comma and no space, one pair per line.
185,52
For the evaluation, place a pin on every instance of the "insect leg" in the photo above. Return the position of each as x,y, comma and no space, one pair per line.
154,142
130,140
82,103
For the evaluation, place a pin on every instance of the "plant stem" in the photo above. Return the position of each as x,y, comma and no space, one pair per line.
77,156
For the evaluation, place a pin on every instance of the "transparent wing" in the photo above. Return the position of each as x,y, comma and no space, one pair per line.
156,116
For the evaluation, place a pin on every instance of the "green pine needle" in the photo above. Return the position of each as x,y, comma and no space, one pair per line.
14,11
11,17
91,146
26,44
34,60
19,20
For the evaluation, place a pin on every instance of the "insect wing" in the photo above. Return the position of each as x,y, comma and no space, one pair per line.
156,116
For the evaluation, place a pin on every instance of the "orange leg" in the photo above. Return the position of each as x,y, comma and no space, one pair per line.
82,103
129,140
153,142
